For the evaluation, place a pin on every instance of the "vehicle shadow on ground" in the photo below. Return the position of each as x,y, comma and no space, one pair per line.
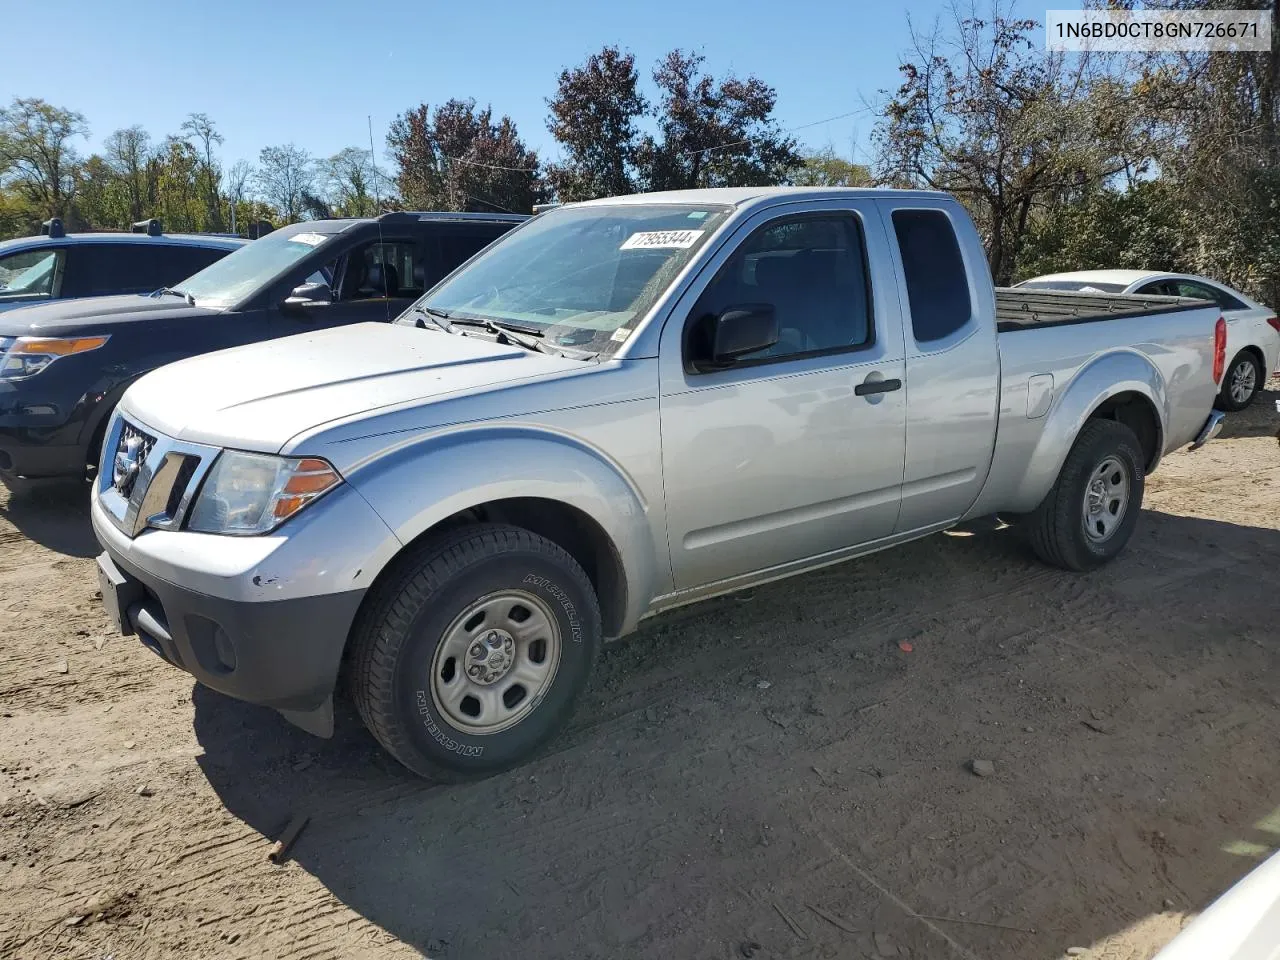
778,774
56,517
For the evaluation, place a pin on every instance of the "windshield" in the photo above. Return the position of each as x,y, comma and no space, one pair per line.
246,270
581,276
1080,286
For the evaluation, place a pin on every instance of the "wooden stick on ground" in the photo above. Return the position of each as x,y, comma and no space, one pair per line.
280,849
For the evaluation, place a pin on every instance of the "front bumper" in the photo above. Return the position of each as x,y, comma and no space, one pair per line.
43,427
282,654
262,619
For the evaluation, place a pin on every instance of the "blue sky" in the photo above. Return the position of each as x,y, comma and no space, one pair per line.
279,71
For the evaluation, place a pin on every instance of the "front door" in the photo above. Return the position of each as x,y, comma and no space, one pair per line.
796,451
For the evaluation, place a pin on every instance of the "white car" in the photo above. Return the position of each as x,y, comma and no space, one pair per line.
1253,330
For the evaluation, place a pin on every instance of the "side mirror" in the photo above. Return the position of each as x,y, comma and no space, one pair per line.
741,330
309,295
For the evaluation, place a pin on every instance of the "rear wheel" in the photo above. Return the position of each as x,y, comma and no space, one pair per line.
1089,515
1243,380
471,656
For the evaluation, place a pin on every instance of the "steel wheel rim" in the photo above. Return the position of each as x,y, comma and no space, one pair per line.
1243,379
496,662
1106,499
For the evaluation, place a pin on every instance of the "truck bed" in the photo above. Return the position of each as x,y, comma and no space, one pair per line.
1020,309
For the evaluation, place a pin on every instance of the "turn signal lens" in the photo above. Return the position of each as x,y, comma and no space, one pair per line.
311,478
27,356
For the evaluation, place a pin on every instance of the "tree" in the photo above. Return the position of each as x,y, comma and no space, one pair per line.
984,114
593,118
101,195
353,185
459,158
1222,112
37,158
204,136
1143,227
238,179
713,134
179,201
285,174
127,154
823,168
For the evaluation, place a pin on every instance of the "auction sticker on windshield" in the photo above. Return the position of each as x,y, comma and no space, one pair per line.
661,240
310,239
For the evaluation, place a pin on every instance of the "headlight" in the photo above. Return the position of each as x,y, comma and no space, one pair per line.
26,356
251,493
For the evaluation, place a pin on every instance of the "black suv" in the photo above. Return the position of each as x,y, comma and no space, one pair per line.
63,366
60,266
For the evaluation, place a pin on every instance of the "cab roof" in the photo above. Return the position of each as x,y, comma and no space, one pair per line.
739,196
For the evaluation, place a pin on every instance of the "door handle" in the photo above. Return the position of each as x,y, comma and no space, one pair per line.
877,386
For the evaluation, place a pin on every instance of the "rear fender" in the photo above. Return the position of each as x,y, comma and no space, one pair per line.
1096,382
416,486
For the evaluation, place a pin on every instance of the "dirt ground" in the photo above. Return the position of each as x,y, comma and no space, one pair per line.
770,775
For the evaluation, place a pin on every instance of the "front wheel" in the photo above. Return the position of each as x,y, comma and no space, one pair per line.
1089,515
1243,380
472,654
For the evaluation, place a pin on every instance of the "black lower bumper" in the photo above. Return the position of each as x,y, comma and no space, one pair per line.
21,459
283,653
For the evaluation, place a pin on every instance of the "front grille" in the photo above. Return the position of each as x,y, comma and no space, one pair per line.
130,455
147,480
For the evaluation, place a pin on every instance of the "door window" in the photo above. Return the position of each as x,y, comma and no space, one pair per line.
31,275
937,283
389,269
812,271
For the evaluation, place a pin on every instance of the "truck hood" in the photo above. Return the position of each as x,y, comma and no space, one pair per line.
259,396
92,315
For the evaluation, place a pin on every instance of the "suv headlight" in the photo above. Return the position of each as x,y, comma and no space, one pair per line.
26,356
251,493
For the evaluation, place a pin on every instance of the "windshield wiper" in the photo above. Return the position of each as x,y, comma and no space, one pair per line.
170,292
437,318
499,325
512,333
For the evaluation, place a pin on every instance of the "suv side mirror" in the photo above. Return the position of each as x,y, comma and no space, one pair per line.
309,295
741,330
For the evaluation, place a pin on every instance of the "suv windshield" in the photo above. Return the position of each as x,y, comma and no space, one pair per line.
581,276
243,271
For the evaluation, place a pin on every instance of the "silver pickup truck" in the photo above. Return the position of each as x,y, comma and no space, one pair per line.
619,407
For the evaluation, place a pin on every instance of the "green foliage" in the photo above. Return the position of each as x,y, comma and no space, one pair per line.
1141,228
823,168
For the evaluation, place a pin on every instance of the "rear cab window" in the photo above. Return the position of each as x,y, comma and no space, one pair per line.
934,272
